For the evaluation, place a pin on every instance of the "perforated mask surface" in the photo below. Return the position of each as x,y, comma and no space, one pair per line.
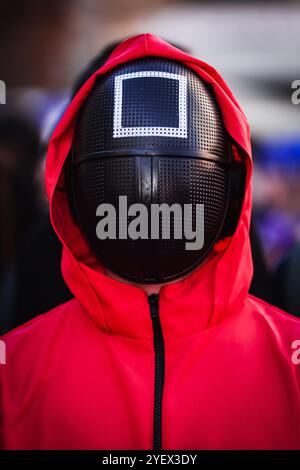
153,102
173,118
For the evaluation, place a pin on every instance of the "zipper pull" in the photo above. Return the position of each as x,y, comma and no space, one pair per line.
153,303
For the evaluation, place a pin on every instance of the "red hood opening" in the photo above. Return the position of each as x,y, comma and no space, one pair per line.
210,293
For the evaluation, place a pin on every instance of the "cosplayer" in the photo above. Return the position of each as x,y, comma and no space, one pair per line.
161,347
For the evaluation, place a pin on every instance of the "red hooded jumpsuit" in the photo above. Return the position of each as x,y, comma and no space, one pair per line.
87,375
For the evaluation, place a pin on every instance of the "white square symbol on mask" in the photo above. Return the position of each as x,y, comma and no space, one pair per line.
120,130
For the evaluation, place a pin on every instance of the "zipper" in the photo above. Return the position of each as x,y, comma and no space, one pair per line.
159,350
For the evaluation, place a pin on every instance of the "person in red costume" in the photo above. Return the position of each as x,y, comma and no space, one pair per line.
161,347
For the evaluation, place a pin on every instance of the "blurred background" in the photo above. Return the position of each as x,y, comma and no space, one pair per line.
45,47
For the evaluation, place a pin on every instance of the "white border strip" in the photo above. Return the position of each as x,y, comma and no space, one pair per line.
120,131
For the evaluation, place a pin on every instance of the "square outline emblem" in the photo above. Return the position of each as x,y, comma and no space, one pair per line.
120,131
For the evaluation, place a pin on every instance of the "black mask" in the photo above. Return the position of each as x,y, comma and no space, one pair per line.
151,130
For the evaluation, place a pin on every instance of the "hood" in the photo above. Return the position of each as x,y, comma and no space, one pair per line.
207,296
